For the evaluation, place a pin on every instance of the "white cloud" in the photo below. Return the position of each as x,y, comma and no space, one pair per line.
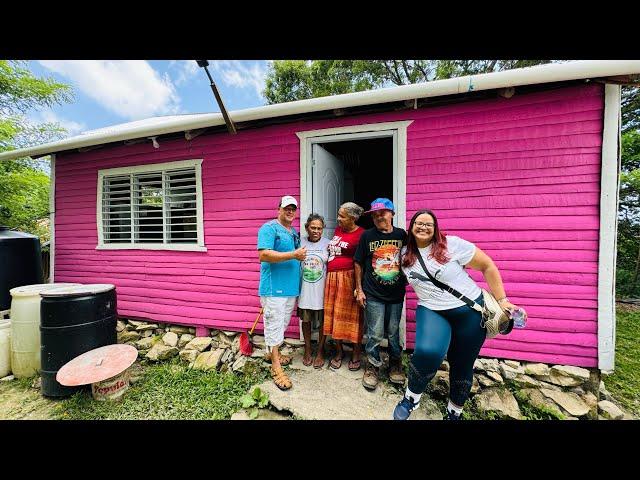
186,70
129,88
49,116
240,74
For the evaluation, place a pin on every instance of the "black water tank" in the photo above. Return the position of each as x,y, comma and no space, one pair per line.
20,262
73,320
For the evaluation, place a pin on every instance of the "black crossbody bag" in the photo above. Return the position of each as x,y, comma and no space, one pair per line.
494,318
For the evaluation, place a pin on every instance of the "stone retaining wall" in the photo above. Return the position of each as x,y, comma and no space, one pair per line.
565,391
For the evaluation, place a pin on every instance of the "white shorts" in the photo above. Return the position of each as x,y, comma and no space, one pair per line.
277,315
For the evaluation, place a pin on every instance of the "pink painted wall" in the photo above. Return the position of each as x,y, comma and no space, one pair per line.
519,177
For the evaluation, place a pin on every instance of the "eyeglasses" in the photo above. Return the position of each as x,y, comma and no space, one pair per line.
424,225
289,210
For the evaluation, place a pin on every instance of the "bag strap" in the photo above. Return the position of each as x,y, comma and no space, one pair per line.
447,288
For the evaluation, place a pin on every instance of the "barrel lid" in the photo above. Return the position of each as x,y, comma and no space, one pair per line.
36,289
97,365
78,290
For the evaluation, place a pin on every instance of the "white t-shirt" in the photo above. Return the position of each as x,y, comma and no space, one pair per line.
314,274
451,273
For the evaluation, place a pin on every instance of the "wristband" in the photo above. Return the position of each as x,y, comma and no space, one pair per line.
503,299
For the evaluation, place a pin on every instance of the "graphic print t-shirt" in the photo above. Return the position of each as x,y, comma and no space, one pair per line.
280,279
452,273
379,255
314,274
341,249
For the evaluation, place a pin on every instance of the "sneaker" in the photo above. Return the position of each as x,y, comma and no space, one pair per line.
396,373
404,409
370,378
451,415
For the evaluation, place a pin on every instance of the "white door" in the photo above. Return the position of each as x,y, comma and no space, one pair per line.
328,187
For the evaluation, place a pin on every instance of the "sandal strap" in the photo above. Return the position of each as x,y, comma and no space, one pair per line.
280,378
284,359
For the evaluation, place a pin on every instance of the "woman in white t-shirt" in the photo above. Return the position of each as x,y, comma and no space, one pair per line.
445,325
314,275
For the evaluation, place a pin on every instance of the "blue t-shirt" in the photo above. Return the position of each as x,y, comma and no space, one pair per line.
280,279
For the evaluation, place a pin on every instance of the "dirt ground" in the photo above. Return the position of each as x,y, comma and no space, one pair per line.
18,404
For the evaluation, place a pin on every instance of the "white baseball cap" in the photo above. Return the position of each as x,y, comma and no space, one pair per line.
288,200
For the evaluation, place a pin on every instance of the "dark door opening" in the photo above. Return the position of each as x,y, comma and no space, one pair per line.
368,171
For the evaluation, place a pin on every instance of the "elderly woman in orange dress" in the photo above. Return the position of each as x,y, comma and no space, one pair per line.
343,319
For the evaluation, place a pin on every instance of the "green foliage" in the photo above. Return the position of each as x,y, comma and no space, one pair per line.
257,399
24,198
624,384
24,183
630,108
630,150
21,91
289,80
628,253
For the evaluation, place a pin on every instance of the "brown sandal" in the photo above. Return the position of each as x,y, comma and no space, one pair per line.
280,379
284,359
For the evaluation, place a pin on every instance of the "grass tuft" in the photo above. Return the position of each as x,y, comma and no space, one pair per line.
167,391
624,384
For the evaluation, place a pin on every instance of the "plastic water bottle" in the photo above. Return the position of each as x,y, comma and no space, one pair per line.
519,317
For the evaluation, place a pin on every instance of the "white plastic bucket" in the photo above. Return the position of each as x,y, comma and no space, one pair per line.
5,348
25,327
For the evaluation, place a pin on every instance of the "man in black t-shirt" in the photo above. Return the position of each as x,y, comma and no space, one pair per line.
380,289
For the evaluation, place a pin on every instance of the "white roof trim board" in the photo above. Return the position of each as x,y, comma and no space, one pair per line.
548,73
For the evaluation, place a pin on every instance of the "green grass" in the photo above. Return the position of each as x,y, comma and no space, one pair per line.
168,390
624,384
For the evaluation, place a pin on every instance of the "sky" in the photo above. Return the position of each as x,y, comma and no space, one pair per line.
112,92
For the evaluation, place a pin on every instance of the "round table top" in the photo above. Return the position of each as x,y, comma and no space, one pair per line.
97,365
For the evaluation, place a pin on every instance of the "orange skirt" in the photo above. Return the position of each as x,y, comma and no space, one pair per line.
343,318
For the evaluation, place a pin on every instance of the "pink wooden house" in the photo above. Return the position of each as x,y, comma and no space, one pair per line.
524,163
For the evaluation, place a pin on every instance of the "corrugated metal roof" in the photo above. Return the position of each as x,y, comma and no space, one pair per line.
548,73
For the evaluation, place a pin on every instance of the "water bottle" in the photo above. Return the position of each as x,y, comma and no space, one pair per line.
519,317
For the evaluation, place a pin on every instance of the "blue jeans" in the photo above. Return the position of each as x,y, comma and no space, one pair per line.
455,333
374,313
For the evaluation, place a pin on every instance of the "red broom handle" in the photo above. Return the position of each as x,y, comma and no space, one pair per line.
256,322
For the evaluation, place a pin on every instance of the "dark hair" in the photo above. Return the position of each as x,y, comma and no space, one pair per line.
312,217
438,244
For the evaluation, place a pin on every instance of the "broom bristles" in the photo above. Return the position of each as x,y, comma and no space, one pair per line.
245,346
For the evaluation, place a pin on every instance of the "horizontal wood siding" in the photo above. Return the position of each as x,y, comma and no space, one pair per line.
519,177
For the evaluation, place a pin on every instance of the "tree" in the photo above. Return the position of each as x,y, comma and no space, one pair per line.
289,80
628,255
630,108
24,183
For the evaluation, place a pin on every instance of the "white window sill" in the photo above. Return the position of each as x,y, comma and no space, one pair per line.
153,246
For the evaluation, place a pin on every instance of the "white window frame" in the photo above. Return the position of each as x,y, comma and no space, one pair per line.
154,167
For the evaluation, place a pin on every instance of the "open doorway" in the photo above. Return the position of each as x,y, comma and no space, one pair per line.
357,163
356,171
368,171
